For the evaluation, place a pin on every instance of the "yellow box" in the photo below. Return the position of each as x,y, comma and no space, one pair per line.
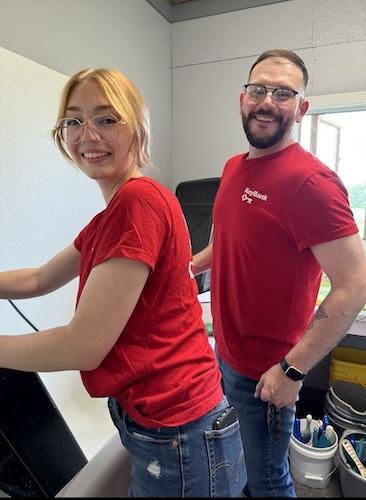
349,365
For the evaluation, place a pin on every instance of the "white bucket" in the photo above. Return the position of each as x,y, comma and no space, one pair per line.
312,466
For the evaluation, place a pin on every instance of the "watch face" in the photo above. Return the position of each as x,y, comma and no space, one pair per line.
294,374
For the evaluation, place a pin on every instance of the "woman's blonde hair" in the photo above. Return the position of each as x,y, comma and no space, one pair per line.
125,99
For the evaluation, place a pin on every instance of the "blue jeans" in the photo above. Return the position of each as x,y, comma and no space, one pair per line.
266,435
191,460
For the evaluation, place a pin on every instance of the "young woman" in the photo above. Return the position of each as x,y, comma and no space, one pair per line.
137,334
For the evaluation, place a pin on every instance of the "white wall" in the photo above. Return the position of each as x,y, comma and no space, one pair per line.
126,34
211,58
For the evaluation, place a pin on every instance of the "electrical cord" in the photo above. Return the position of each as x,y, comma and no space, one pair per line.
23,315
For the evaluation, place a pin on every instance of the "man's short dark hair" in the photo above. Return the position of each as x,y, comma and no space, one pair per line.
286,54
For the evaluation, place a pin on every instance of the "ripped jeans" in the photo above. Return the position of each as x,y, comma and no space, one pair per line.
191,460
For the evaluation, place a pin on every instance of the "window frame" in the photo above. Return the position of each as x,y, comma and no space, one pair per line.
338,103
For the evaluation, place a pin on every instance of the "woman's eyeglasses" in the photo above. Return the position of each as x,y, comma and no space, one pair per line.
104,127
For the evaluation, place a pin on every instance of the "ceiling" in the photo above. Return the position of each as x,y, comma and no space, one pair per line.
175,2
182,10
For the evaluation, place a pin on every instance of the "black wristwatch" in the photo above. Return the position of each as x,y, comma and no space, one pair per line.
291,371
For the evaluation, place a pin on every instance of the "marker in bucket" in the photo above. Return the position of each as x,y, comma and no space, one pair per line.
305,435
321,437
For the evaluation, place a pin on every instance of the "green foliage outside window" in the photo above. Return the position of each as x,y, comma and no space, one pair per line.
357,195
325,289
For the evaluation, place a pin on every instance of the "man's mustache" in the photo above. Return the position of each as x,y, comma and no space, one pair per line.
268,114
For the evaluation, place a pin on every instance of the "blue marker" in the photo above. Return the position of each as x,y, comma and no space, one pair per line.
296,430
325,421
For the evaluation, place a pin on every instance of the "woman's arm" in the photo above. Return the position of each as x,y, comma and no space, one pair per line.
32,282
106,303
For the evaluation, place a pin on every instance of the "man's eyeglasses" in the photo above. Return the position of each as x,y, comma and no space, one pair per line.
104,127
278,94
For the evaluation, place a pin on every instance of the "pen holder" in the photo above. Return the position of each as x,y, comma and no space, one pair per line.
312,466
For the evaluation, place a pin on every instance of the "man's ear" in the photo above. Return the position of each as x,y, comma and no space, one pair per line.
302,110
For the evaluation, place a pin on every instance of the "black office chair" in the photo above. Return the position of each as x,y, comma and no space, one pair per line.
197,198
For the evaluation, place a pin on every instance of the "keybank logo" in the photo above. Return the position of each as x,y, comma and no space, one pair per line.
249,194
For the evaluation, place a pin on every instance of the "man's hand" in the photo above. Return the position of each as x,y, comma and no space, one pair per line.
275,387
202,260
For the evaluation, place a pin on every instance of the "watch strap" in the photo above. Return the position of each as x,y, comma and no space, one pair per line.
291,371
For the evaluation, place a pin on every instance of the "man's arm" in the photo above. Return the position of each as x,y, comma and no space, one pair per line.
343,261
202,260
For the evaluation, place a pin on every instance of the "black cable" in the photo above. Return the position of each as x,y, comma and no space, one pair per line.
23,315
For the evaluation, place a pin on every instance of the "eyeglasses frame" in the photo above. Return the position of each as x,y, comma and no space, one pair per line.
87,122
270,89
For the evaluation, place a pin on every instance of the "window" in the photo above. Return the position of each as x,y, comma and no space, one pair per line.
334,130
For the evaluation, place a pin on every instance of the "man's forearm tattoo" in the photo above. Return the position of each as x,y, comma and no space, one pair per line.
320,314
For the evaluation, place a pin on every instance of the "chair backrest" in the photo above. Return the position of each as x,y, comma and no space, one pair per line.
197,198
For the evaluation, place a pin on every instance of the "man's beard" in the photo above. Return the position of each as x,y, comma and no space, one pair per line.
269,140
